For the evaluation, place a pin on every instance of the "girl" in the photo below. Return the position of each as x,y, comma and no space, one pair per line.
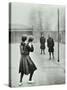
31,65
22,59
26,64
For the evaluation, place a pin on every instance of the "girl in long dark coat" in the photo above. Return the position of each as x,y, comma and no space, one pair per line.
26,64
42,44
22,59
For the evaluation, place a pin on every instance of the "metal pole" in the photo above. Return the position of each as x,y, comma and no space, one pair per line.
58,35
10,44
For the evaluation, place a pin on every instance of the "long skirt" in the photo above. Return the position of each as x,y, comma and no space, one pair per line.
26,65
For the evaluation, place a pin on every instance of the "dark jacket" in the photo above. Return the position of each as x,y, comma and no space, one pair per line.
26,65
23,49
42,43
50,44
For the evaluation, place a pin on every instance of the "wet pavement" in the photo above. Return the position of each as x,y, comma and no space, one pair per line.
49,72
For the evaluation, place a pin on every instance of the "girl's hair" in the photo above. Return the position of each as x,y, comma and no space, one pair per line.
30,39
24,38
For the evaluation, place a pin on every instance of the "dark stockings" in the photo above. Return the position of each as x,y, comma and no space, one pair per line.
30,78
53,54
50,55
31,74
43,50
21,76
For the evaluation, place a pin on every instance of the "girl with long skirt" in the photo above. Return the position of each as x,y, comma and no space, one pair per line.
26,64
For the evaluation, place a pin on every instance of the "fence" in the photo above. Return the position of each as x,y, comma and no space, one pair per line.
15,36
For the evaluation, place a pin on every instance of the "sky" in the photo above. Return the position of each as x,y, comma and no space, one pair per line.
28,15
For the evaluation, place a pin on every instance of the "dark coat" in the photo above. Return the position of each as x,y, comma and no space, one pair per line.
42,43
26,64
50,44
